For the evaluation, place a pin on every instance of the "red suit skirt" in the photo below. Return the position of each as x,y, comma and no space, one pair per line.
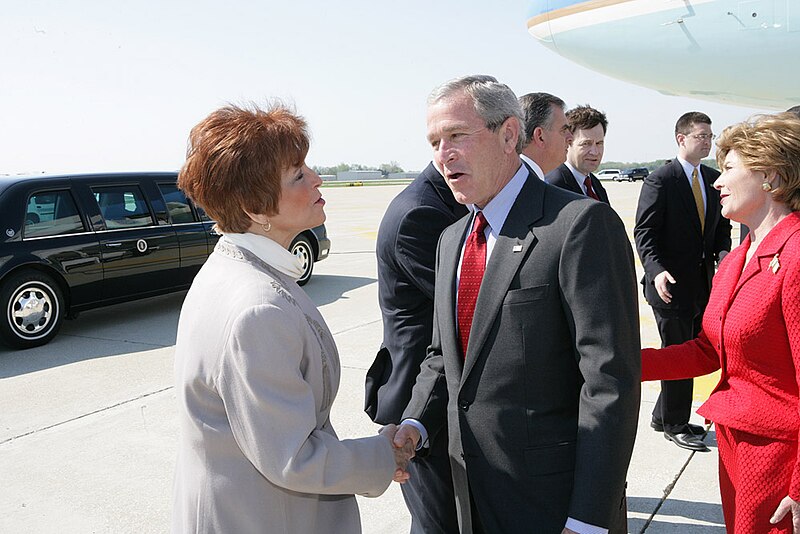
754,476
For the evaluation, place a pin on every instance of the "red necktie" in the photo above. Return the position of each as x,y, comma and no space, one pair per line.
473,265
587,183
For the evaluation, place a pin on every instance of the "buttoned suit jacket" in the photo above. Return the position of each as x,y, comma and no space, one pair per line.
750,330
562,177
668,235
542,413
406,253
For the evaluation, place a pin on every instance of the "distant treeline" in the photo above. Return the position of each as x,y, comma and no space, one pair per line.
393,166
385,168
651,165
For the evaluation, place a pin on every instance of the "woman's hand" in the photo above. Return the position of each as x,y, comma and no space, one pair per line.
402,454
788,504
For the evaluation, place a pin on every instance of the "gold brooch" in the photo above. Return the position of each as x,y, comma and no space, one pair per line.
775,264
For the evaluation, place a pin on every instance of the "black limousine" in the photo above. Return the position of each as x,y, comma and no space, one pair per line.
73,242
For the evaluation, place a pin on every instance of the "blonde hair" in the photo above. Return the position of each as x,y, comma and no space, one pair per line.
768,143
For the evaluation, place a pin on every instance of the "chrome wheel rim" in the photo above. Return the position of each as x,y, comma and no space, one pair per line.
32,309
302,251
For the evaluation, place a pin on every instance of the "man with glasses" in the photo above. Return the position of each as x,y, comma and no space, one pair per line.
680,234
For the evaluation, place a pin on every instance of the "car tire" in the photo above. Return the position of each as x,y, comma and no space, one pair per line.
23,328
301,247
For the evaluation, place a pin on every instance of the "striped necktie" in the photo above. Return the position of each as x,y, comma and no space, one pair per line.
697,192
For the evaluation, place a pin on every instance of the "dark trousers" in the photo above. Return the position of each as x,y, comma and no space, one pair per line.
429,492
675,400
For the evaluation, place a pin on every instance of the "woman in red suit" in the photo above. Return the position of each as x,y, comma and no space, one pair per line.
751,330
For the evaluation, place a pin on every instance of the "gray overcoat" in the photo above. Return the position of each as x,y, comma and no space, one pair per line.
256,372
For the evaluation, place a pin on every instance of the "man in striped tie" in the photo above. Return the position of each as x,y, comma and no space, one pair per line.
680,235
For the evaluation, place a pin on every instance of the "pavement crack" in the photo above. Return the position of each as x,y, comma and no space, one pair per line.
356,327
667,492
82,416
132,342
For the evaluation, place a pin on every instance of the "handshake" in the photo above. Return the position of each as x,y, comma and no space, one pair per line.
404,441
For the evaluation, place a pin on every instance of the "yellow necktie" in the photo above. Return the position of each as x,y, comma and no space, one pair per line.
698,199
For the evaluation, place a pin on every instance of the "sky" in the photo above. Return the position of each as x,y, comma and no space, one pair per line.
111,85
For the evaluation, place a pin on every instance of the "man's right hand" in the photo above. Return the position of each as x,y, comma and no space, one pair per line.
661,282
407,433
402,453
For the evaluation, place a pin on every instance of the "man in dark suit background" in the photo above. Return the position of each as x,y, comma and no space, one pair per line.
584,156
406,253
547,132
680,234
534,366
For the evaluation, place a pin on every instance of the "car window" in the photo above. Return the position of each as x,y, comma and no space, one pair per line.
51,213
122,206
203,215
178,206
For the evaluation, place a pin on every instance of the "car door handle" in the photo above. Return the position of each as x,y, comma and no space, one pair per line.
113,244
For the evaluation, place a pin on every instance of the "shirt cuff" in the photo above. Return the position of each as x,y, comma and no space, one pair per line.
583,528
423,440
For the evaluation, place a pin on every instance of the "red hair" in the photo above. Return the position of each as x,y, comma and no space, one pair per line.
235,160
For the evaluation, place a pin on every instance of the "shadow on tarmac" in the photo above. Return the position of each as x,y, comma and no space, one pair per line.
326,288
131,327
136,326
664,521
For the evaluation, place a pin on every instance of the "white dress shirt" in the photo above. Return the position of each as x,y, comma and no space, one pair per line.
533,165
579,177
687,170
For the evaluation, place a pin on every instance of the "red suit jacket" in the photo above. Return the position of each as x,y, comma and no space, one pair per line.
751,330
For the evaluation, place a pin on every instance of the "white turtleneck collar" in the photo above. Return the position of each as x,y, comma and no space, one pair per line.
269,252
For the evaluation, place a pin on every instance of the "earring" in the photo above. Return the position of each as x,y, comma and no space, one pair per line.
766,186
267,227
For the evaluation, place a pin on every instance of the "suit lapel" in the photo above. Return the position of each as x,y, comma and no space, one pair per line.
713,207
569,180
599,190
511,248
449,254
686,194
768,250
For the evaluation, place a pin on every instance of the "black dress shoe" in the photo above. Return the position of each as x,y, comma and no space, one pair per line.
697,430
686,440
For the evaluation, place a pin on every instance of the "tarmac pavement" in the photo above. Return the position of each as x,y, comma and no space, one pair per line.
88,430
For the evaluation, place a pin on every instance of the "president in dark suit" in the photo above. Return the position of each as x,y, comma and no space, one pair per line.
680,235
584,155
406,253
534,365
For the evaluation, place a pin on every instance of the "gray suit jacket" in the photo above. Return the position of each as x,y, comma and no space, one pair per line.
256,373
542,412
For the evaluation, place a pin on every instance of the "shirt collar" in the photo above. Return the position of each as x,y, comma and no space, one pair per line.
579,176
688,168
533,165
497,210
